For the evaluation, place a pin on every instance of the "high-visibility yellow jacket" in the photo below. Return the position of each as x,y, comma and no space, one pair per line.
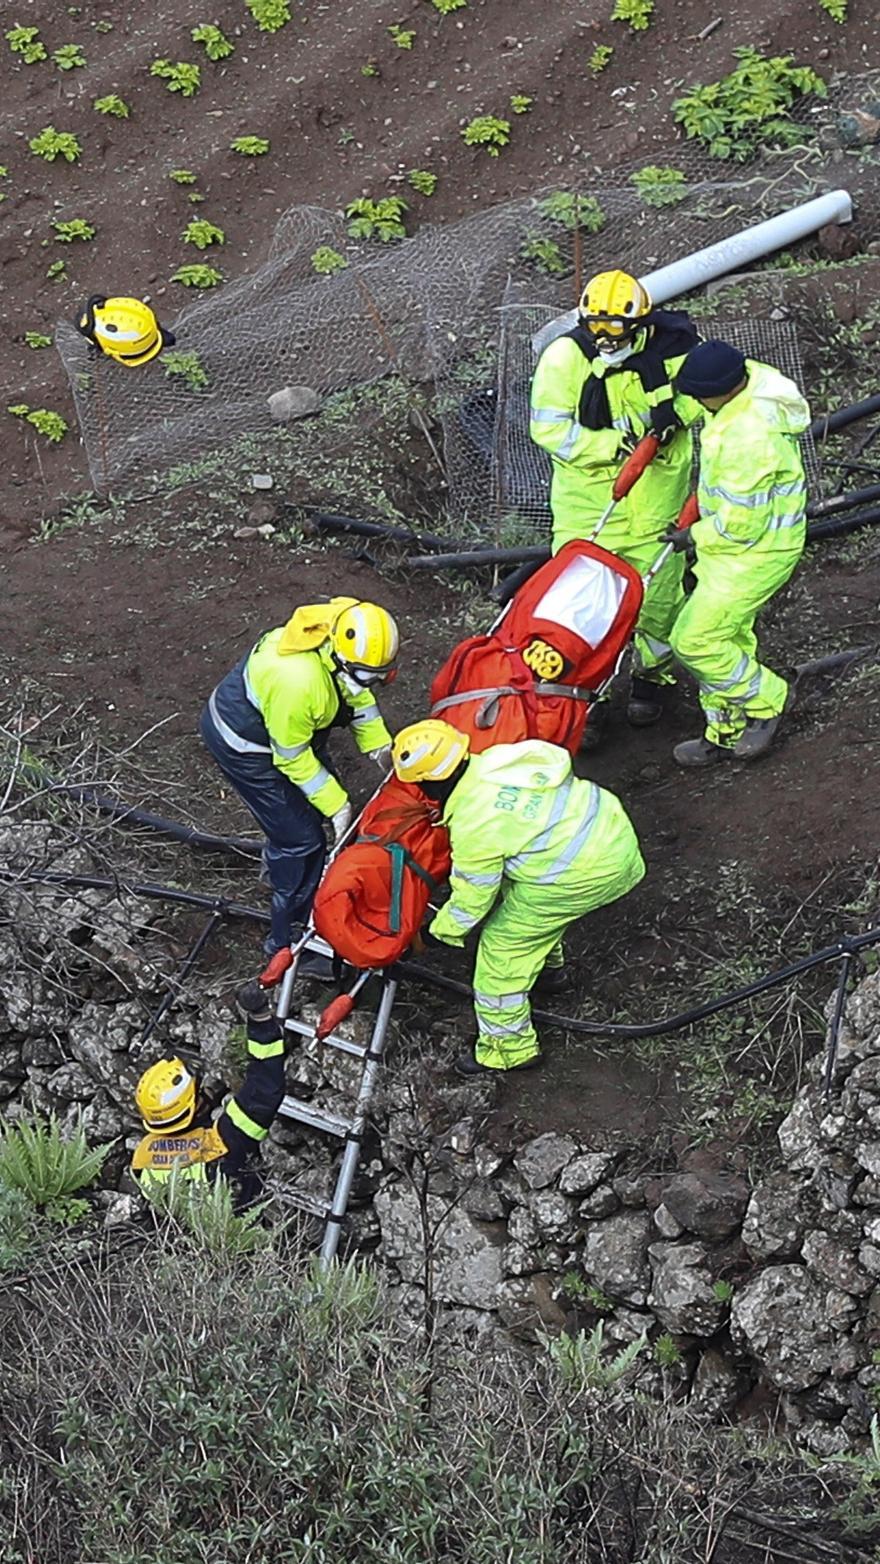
752,490
285,705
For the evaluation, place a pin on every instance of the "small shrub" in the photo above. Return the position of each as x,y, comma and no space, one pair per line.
19,1236
197,275
377,219
402,36
52,143
217,45
249,146
749,107
722,1290
26,42
182,176
543,253
658,186
76,228
600,57
580,1359
269,15
326,261
111,104
572,212
666,1352
68,57
637,13
520,103
597,1299
370,68
445,6
180,76
486,130
56,271
422,180
207,1213
37,339
836,9
201,233
186,366
35,1158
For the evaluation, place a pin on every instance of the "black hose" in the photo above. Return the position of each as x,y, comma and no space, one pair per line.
829,423
839,502
182,973
324,520
130,814
148,888
479,556
839,526
517,578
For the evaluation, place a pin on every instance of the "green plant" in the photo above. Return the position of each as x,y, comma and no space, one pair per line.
571,211
722,1290
637,13
197,275
179,76
748,108
56,270
597,1299
580,1360
26,42
520,103
111,104
68,57
573,1285
103,26
382,219
346,136
600,57
201,233
66,1210
544,253
188,366
422,180
217,45
445,6
402,36
182,176
666,1351
659,186
269,15
52,143
249,146
37,339
486,130
836,9
35,1158
370,68
195,197
19,1234
326,260
76,228
207,1213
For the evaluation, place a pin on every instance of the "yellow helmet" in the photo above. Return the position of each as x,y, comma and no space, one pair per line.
124,329
365,643
428,751
612,306
165,1096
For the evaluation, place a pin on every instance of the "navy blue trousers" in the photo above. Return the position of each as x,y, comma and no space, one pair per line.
295,844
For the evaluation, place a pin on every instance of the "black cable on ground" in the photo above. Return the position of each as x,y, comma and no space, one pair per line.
130,814
176,982
829,423
147,888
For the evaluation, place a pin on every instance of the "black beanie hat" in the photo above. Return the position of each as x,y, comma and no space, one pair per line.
711,369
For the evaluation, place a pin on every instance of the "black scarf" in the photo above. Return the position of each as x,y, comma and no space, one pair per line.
671,334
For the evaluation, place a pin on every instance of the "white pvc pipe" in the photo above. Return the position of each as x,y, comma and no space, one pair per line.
728,255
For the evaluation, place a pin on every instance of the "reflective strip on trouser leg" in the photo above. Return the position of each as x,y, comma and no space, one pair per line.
528,923
661,606
714,638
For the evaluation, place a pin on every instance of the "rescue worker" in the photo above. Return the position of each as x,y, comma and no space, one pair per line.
533,848
267,725
123,329
596,391
748,540
181,1134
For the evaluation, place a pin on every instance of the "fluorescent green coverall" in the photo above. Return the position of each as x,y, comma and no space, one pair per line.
750,536
534,847
585,464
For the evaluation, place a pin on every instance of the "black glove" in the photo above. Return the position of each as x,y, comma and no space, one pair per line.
252,1003
665,422
681,540
628,442
429,940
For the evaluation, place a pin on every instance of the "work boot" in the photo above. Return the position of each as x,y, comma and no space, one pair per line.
645,705
313,965
596,730
252,1003
467,1064
553,980
698,753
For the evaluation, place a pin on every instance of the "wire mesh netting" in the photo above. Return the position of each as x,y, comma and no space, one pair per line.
436,328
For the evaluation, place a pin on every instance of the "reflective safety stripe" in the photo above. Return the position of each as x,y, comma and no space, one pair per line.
504,1028
229,735
249,689
564,450
576,845
265,1050
660,394
722,531
499,1001
551,415
738,674
288,752
787,520
244,1122
315,783
475,879
542,841
465,920
365,714
757,497
658,648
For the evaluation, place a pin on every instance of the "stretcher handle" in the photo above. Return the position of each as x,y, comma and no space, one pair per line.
339,1009
689,513
634,466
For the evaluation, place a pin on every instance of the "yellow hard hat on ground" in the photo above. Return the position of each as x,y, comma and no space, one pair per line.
365,642
428,751
166,1095
124,329
612,306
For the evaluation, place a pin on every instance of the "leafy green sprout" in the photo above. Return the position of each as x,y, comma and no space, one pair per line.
580,1360
326,261
36,1157
749,107
666,1351
111,104
179,76
571,211
600,57
196,197
543,253
216,44
520,103
186,366
722,1290
37,339
51,144
597,1299
53,428
445,6
269,15
370,68
68,57
402,36
382,219
182,176
197,275
249,146
26,41
659,186
56,271
422,180
836,9
75,228
487,130
201,233
636,13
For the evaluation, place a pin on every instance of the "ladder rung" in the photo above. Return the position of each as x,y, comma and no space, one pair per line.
315,1118
333,1040
303,1201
